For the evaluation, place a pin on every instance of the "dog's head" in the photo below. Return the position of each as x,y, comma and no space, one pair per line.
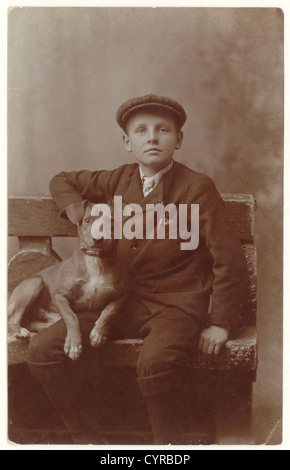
83,214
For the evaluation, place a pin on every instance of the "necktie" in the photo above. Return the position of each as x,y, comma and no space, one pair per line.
148,185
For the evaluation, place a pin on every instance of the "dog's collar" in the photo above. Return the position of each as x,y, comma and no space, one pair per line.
89,251
97,253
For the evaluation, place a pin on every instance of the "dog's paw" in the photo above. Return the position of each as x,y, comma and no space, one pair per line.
18,331
24,333
73,348
98,337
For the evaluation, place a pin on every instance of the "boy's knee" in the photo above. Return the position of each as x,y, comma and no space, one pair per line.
169,338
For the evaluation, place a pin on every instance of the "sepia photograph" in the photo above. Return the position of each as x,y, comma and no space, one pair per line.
145,173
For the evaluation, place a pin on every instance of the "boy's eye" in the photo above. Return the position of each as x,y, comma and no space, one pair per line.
140,130
163,129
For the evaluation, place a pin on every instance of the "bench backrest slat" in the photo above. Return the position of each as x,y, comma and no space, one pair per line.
38,217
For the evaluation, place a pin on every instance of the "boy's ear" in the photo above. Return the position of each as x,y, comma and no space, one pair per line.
179,140
127,143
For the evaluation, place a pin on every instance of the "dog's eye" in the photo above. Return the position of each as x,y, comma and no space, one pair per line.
87,220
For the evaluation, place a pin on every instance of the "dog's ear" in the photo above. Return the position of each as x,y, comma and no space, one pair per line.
75,211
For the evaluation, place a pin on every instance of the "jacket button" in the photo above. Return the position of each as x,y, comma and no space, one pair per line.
133,246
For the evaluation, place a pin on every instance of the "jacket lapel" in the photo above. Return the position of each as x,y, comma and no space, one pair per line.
169,182
134,191
155,197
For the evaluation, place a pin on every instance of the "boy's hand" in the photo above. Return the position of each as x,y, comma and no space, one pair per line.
211,342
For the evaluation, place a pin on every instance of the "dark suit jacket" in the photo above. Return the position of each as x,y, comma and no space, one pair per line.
160,273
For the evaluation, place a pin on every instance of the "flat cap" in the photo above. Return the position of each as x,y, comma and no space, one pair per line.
147,101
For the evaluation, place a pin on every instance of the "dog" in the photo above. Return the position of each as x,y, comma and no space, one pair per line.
91,279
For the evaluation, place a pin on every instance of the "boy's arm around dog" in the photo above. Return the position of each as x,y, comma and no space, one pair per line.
72,187
164,273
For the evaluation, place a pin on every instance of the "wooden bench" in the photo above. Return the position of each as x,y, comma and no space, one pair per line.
35,222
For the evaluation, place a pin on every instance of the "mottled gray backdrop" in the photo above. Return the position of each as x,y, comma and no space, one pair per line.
70,69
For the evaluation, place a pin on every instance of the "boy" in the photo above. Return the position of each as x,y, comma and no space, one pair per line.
169,287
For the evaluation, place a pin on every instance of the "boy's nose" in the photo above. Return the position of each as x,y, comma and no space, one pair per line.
152,136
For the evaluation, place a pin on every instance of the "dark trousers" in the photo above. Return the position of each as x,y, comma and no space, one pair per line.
169,336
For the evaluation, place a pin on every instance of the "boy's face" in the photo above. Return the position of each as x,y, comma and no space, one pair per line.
152,137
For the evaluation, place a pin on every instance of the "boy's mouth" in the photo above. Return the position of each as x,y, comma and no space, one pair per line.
153,149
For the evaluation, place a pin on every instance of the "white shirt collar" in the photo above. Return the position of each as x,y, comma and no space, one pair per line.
157,177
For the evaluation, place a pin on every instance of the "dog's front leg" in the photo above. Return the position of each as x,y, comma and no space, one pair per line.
100,332
73,340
